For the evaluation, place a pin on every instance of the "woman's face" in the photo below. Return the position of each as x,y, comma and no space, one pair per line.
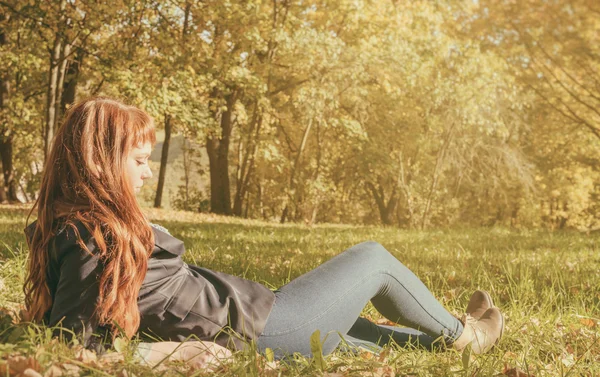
138,168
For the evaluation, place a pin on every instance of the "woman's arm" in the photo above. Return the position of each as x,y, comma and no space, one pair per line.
76,293
197,353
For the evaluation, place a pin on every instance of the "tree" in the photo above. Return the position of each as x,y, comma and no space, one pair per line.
20,90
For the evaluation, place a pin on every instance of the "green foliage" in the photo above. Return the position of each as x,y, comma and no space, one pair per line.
190,200
419,115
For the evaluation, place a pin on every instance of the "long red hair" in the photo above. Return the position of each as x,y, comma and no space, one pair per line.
85,180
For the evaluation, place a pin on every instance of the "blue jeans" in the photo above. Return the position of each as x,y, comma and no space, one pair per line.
331,297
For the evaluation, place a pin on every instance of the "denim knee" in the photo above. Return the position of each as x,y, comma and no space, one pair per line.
372,251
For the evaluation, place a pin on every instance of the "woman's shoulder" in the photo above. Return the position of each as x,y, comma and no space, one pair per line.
65,232
161,228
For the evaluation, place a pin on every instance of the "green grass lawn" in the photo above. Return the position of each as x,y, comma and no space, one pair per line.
547,284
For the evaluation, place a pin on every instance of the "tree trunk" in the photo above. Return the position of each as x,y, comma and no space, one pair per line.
218,157
3,97
436,173
385,209
8,188
3,197
51,96
404,183
247,163
70,82
6,153
186,174
295,167
52,102
164,157
62,69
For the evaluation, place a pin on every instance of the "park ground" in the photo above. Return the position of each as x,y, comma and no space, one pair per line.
546,283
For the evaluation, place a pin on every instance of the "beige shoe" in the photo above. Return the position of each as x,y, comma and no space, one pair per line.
483,333
480,302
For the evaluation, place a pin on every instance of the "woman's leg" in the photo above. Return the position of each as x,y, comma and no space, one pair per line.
366,332
331,297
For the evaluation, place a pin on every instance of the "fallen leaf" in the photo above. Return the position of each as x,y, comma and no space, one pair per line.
385,321
450,294
568,360
510,355
111,358
86,356
18,364
569,349
53,371
383,354
385,371
71,369
124,373
515,372
451,277
30,373
587,322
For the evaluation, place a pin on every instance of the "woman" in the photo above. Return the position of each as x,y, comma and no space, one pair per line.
98,267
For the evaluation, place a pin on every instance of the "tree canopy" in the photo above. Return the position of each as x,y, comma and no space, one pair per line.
413,114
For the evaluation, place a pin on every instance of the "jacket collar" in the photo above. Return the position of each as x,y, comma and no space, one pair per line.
167,242
162,239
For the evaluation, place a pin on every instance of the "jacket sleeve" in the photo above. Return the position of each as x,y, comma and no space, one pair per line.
76,294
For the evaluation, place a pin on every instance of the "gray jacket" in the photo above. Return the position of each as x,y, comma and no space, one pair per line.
177,301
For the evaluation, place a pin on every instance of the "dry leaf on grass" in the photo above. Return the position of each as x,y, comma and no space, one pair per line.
587,322
54,371
383,355
569,349
86,356
17,365
450,294
111,358
71,369
515,372
385,371
385,321
270,369
508,355
29,373
125,373
568,360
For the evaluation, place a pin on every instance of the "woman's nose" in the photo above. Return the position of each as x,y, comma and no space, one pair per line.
147,173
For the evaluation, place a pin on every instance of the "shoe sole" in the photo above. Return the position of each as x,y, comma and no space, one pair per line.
489,298
501,329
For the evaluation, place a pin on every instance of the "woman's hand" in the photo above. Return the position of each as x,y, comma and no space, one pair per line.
202,354
198,354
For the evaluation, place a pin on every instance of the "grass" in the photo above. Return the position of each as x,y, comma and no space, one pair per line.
547,284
